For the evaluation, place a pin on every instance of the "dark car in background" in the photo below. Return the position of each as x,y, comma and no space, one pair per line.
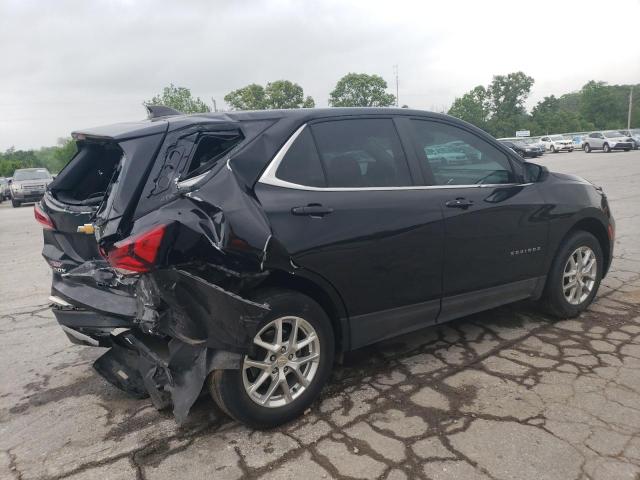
28,185
5,189
521,148
243,250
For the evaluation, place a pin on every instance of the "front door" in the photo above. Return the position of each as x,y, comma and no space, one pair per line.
339,205
495,227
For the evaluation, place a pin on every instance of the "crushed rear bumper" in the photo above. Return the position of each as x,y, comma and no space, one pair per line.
165,333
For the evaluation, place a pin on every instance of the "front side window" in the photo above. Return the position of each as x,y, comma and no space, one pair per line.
454,156
361,153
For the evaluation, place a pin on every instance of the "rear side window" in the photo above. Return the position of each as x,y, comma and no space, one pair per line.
209,149
301,164
361,153
456,157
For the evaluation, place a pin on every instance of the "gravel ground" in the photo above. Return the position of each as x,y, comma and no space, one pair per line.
506,394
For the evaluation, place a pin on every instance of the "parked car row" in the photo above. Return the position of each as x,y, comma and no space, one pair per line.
605,140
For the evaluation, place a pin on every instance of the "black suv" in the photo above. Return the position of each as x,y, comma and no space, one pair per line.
245,249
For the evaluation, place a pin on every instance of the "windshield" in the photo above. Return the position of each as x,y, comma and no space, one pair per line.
557,137
612,134
39,174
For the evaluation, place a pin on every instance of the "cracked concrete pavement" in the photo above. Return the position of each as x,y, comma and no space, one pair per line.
505,394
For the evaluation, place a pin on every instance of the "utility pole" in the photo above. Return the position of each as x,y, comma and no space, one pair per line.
395,71
630,104
215,107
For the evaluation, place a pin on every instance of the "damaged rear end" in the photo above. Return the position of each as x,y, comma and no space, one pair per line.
153,241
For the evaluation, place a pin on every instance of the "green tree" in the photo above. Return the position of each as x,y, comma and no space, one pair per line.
361,90
251,97
549,116
284,94
598,106
473,107
276,95
498,108
507,94
179,98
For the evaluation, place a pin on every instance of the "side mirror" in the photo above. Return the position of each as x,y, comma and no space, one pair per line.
535,173
10,182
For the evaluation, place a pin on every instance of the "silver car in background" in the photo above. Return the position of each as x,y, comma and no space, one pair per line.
634,134
607,141
28,185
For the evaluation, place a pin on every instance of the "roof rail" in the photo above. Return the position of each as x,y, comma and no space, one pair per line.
155,111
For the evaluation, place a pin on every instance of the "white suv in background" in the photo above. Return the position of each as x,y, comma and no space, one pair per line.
607,141
556,143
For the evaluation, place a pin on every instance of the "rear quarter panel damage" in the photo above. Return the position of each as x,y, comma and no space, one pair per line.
194,313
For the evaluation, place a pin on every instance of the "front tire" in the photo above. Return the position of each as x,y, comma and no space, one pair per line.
15,203
290,361
606,148
574,277
553,149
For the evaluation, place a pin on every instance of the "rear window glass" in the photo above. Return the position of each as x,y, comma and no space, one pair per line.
301,164
211,148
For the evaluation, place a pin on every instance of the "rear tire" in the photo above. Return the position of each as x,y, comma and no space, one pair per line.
15,204
586,148
606,148
233,390
562,300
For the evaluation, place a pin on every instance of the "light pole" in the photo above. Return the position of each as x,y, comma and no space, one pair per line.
395,71
630,103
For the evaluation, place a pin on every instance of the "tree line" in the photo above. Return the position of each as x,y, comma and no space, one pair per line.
498,108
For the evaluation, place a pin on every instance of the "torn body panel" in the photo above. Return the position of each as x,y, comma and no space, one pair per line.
191,312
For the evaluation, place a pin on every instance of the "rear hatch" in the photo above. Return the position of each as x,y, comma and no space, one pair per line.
97,189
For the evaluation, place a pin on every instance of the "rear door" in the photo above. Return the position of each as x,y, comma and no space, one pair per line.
339,198
495,226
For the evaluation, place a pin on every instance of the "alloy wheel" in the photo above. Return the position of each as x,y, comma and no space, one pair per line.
579,275
285,362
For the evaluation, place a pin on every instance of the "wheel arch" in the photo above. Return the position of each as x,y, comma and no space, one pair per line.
321,292
597,229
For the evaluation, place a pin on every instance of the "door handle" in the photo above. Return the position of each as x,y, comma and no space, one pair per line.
312,210
460,202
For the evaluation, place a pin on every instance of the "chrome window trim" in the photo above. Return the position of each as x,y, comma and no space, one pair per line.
268,177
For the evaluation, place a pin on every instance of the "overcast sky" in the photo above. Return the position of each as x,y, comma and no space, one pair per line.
75,64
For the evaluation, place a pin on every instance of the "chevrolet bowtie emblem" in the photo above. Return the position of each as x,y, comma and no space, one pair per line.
86,228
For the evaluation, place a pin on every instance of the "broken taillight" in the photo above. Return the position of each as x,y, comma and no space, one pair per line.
136,254
42,218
